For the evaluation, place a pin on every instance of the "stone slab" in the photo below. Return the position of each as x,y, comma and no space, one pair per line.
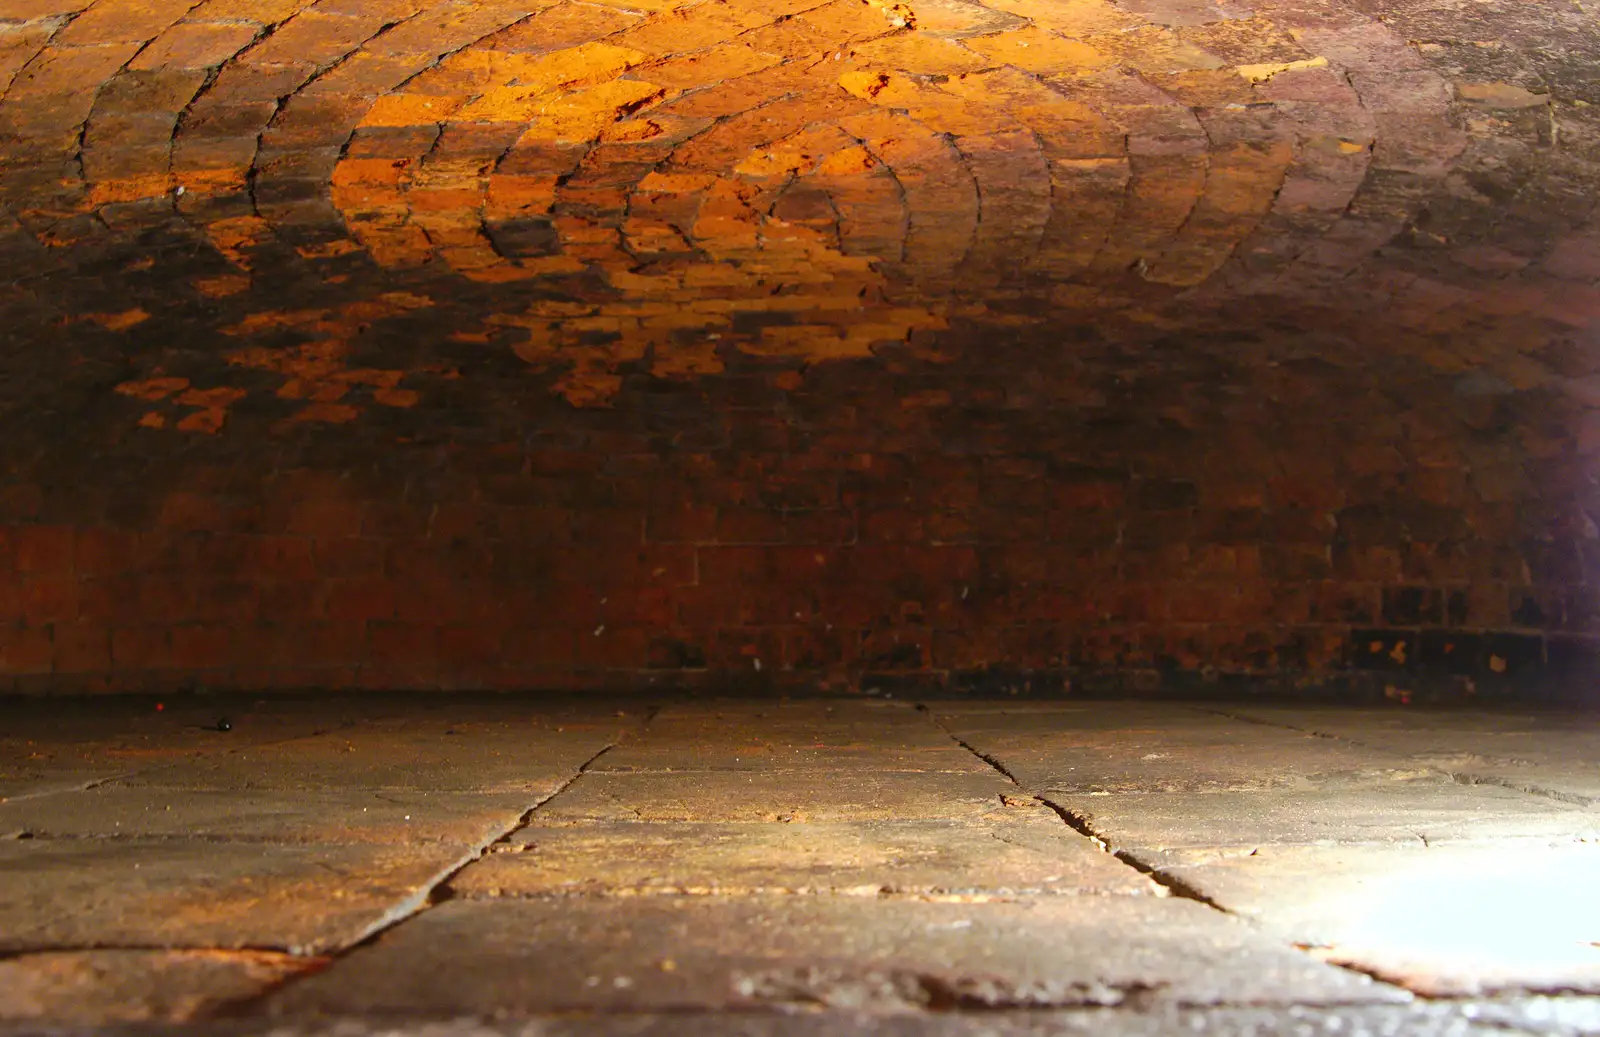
1428,810
121,986
509,957
1086,712
799,795
1033,854
1554,752
403,816
22,785
746,752
67,746
787,709
440,754
1457,920
821,733
62,745
182,721
86,893
1141,748
1545,1016
906,731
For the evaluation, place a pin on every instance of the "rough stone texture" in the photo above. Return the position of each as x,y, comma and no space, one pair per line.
164,893
1107,747
853,734
1550,754
66,744
1551,1016
773,952
1016,856
802,795
1166,892
750,344
97,987
533,757
1337,831
303,815
302,827
1431,810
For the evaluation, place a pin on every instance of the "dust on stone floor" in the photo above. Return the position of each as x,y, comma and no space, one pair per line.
1065,865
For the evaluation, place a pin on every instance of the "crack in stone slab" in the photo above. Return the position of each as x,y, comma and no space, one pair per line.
436,889
1460,777
1171,884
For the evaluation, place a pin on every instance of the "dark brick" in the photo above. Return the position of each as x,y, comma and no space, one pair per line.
1413,606
1513,655
672,654
1386,650
1158,495
1450,652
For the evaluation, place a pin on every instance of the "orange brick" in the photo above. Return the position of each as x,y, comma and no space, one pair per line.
201,646
614,648
468,646
195,45
141,648
362,599
750,526
192,511
82,648
326,518
539,647
26,649
42,549
100,551
48,599
412,646
280,557
340,642
348,556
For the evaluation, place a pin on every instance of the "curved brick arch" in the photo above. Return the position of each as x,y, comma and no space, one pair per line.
373,66
923,335
1245,155
1268,135
1094,155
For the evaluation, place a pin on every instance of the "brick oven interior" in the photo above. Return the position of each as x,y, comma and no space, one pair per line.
790,517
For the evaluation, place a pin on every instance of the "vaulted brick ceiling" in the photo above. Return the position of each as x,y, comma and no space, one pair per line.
594,186
1311,256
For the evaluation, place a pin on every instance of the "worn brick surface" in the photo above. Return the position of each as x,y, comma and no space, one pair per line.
375,344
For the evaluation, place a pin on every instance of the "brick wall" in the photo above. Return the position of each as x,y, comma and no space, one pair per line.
974,346
1047,512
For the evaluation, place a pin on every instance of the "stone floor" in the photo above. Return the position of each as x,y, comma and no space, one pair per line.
457,866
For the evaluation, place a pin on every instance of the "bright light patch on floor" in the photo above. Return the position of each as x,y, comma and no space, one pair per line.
1499,914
